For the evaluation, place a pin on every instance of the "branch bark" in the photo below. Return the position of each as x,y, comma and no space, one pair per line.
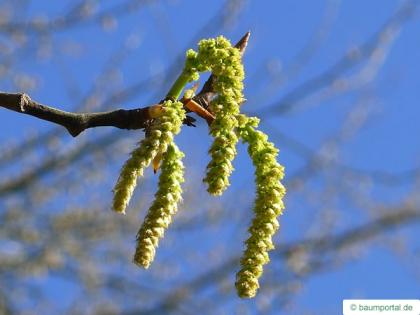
75,123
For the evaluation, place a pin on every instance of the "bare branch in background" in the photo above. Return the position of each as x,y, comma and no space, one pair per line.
348,61
81,13
318,247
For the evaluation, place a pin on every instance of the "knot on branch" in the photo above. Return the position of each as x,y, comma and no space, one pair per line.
25,99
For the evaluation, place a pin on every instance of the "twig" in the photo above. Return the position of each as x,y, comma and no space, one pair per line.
137,118
75,123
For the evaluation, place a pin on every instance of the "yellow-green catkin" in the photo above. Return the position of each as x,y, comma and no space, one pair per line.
217,55
224,61
156,141
163,208
268,205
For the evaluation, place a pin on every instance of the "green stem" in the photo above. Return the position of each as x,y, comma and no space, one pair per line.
178,86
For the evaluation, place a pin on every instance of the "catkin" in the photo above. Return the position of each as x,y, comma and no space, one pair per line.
163,208
217,55
157,140
224,61
268,206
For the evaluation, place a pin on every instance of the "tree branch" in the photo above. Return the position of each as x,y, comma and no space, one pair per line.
137,118
75,123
